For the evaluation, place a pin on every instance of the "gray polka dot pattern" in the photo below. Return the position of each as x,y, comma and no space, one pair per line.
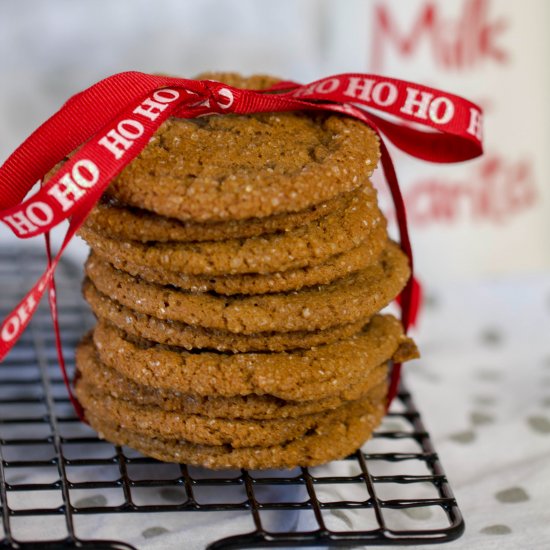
392,426
479,418
539,424
488,375
153,532
489,345
420,514
173,495
340,514
491,336
496,530
430,301
467,436
484,399
91,502
512,495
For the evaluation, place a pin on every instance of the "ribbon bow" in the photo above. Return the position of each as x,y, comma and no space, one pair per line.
113,120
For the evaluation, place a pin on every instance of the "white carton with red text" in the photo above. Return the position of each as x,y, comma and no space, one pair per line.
491,215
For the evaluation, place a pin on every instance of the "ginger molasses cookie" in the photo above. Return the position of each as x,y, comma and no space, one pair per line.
307,245
347,300
335,267
246,166
299,375
337,440
105,381
153,421
135,224
175,333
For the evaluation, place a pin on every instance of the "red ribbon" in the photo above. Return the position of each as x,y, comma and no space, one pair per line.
113,120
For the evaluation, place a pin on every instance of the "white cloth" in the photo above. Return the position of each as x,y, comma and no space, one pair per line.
483,387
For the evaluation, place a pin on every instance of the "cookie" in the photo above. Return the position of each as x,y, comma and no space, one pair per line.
295,376
195,428
307,245
190,337
335,267
347,300
236,167
336,441
108,382
130,223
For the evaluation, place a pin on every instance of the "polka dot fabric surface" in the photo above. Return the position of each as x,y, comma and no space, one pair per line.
483,386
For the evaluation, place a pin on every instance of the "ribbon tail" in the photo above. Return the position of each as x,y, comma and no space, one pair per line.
52,300
406,297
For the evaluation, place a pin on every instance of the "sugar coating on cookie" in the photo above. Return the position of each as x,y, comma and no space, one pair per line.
335,267
295,375
190,337
344,301
102,380
337,441
236,167
111,218
153,421
310,244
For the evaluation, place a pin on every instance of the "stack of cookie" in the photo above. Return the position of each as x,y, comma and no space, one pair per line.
237,269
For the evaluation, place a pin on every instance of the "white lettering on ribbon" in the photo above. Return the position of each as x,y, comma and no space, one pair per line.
383,94
475,127
35,215
118,141
423,105
69,188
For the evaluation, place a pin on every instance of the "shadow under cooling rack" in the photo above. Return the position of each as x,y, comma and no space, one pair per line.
62,487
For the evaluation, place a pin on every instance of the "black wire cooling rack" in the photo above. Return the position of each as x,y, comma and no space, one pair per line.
62,487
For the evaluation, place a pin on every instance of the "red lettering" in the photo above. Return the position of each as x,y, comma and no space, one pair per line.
454,44
494,192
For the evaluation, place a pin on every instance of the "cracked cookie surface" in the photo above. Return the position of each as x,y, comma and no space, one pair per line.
135,224
308,245
152,421
103,380
235,167
337,441
315,308
299,375
335,267
176,333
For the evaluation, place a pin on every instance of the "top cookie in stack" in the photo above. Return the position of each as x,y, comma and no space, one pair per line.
237,269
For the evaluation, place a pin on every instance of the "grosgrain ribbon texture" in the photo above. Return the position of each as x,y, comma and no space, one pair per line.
105,126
